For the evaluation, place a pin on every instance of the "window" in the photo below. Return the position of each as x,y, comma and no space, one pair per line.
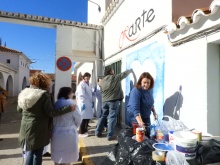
8,61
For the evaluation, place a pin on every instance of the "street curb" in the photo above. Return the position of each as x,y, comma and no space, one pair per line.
86,160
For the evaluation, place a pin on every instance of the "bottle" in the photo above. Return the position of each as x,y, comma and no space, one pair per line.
171,138
152,131
159,135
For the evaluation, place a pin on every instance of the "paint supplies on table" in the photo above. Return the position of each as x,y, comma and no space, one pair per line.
185,143
134,126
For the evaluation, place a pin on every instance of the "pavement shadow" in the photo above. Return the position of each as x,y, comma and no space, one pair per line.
2,156
9,143
91,150
12,128
100,160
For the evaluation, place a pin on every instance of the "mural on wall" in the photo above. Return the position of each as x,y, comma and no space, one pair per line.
148,59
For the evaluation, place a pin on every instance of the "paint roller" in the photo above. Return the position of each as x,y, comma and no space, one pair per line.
179,93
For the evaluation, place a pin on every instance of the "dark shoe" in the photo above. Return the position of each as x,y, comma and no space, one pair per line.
47,154
112,138
98,135
1,139
89,126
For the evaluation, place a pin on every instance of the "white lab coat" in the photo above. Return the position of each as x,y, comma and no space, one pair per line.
84,95
64,141
98,104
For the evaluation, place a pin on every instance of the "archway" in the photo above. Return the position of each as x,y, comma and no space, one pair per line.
2,84
24,83
9,86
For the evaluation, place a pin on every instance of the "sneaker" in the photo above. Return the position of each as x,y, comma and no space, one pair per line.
112,138
84,135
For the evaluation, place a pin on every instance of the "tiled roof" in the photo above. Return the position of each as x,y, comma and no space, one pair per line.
185,21
5,49
111,9
42,19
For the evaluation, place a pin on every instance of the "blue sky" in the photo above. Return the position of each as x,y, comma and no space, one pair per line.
35,42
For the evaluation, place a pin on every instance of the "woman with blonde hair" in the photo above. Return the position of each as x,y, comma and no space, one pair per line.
36,107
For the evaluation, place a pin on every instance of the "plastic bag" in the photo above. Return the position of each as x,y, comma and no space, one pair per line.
168,123
208,152
130,152
175,158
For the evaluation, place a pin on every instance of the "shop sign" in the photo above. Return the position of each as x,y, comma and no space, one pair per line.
132,32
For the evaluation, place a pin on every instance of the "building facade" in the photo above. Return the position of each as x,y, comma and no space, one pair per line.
140,35
14,70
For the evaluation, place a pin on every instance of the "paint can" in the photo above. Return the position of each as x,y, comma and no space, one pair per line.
134,126
198,134
139,134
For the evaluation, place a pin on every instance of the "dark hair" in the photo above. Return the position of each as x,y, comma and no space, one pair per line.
64,92
86,75
108,70
145,75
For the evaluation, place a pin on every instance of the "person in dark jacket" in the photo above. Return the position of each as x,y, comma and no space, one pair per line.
36,107
112,94
141,102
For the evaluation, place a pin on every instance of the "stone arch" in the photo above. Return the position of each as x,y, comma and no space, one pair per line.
9,85
24,83
2,81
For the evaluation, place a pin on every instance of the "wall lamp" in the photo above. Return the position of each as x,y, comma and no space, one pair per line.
99,8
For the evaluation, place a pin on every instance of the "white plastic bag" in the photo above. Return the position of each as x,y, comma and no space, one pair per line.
172,125
175,158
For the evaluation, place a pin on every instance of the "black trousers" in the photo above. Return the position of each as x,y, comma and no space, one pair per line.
84,126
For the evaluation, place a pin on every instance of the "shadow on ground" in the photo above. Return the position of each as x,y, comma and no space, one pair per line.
9,143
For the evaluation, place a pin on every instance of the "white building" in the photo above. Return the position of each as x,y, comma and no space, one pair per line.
135,36
14,70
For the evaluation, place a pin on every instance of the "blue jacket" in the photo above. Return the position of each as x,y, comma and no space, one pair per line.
141,101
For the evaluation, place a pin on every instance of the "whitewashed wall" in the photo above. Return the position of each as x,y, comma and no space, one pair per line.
23,71
131,14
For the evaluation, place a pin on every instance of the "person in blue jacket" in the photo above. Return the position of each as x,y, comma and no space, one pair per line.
141,102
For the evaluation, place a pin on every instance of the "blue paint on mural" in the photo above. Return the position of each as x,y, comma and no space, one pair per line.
148,59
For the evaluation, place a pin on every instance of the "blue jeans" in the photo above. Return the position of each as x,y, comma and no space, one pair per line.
34,157
110,110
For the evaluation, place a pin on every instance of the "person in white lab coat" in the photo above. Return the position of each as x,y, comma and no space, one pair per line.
64,140
85,101
98,98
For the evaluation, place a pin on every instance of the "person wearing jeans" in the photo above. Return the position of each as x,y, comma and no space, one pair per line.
34,156
112,94
36,107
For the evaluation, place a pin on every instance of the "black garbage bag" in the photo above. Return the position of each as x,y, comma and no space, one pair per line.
142,155
208,152
131,152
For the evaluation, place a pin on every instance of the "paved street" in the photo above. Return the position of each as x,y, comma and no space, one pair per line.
92,149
